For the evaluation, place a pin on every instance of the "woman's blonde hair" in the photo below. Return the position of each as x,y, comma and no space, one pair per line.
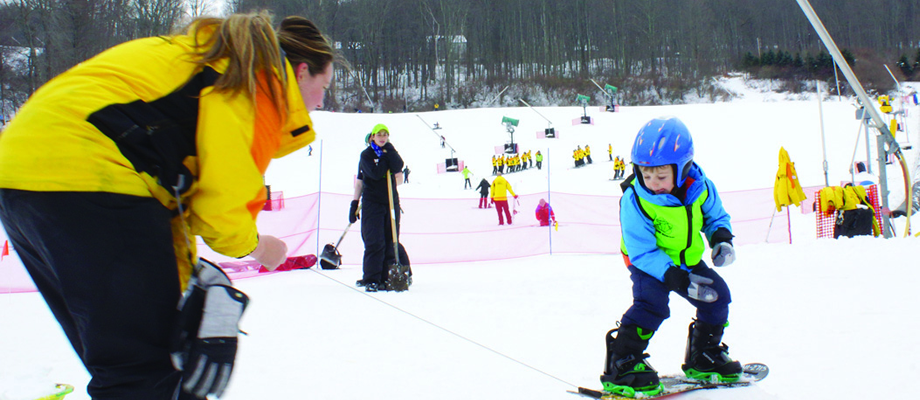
252,47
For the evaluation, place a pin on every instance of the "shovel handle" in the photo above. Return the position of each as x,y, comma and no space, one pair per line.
343,235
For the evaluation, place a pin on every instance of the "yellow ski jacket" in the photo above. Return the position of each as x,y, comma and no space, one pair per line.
150,124
500,189
786,189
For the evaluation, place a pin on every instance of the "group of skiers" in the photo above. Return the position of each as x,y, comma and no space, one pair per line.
581,156
516,162
619,168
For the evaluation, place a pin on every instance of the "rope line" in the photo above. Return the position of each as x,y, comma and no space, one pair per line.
496,352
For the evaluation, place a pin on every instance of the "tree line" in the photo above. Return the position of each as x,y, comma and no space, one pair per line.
414,53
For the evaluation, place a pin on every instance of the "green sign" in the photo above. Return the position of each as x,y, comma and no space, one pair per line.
582,98
512,121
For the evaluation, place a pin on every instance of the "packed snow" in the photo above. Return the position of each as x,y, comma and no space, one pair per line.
832,318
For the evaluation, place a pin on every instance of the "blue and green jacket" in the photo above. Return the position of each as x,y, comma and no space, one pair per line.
662,230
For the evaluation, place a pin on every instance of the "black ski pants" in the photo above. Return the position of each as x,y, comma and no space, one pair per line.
105,265
377,233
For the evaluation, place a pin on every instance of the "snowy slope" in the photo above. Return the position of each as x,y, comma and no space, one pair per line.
815,311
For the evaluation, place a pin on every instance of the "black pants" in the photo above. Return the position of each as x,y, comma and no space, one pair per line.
105,265
377,233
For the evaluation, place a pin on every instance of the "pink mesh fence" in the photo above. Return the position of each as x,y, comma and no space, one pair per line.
826,222
438,231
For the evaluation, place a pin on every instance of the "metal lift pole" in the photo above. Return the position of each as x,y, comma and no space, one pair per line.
885,137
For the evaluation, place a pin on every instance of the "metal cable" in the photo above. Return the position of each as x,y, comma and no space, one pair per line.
496,352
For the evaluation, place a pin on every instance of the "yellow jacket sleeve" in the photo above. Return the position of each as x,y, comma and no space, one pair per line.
236,141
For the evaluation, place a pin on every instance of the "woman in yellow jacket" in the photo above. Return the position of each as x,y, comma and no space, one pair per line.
111,169
500,190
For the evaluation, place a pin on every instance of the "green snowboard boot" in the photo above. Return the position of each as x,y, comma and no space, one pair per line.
707,357
626,371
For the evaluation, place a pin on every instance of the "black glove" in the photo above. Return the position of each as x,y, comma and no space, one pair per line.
191,308
205,347
210,361
353,212
694,285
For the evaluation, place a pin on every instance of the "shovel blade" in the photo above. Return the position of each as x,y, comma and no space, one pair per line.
397,277
330,258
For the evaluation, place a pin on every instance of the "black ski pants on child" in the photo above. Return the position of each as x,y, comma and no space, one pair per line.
105,265
651,296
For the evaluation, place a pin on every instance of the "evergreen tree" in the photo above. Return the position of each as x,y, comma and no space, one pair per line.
768,59
784,59
749,61
907,68
848,57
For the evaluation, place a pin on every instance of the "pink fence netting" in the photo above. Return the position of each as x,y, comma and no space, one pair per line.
436,231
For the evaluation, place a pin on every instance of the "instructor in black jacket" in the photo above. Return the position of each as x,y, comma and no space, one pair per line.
379,157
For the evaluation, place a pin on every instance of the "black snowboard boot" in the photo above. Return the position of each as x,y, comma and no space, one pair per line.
707,357
626,372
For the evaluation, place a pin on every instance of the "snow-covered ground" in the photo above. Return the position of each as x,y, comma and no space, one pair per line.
833,318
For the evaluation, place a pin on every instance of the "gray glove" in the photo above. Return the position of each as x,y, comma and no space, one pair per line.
204,343
694,285
212,355
723,254
698,289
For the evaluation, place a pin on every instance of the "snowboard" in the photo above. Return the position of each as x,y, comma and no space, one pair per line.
676,384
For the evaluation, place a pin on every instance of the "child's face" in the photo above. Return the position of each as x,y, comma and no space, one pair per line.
658,180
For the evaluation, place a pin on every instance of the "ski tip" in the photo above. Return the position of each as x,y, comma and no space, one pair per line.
597,394
756,371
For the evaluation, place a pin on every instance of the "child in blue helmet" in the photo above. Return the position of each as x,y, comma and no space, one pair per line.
667,202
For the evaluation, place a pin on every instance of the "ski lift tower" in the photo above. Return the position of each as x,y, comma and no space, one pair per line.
585,119
612,93
510,123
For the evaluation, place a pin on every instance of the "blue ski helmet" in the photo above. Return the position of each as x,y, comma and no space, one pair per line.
664,141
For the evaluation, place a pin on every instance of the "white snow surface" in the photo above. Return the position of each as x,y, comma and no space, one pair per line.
834,319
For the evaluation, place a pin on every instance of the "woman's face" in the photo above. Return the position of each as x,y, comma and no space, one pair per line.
381,138
313,87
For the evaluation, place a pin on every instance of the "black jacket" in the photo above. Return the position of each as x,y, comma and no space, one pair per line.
373,169
484,187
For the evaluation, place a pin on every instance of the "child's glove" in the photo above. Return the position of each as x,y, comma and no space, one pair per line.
694,285
723,254
353,212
